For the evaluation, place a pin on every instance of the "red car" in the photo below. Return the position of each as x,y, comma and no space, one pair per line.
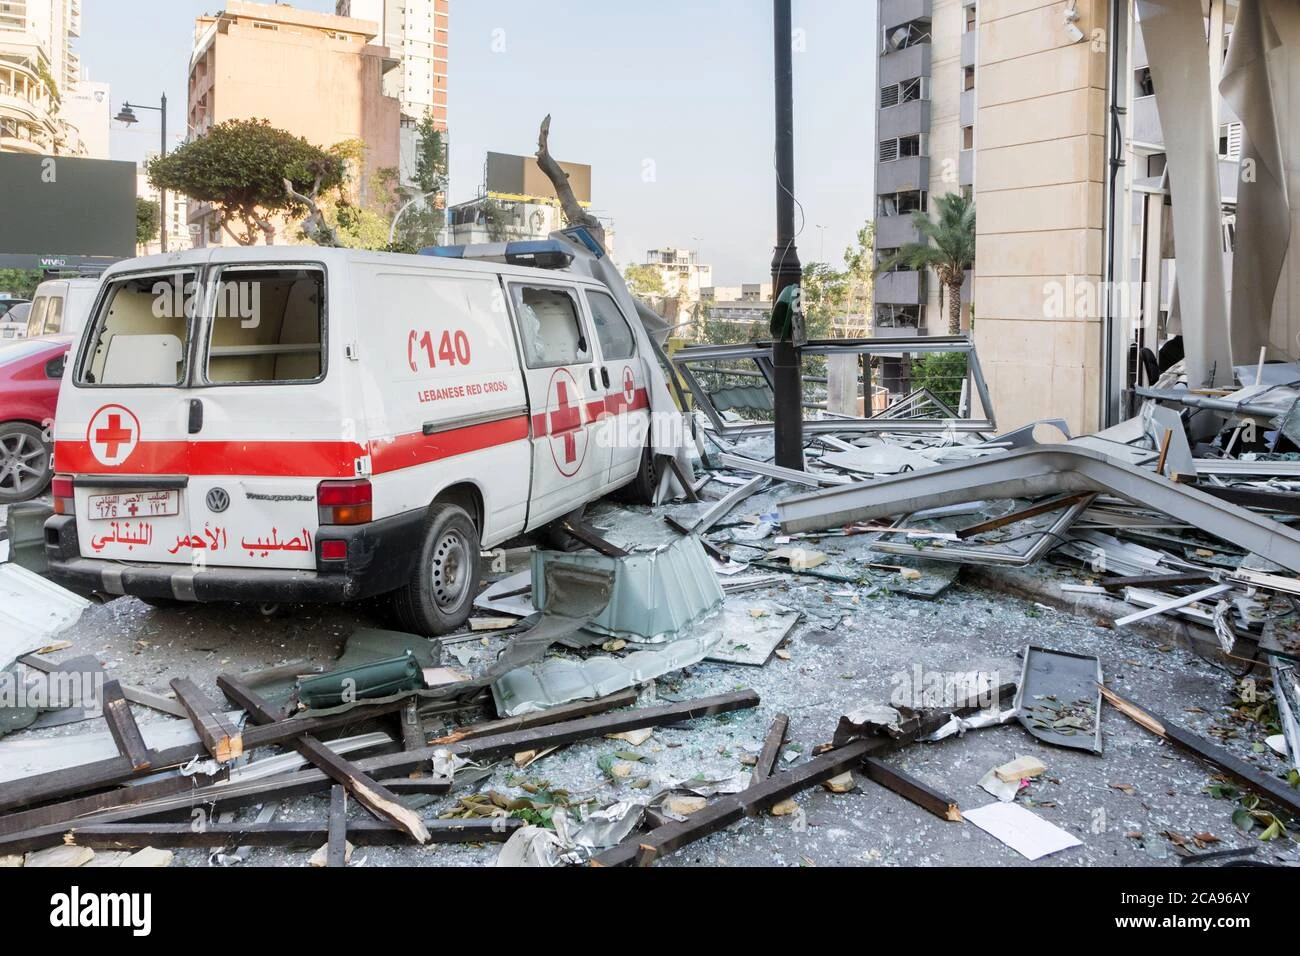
30,370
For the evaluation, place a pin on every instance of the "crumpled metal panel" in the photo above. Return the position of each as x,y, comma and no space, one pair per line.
657,592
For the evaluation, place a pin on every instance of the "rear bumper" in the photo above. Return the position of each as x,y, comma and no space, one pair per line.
381,556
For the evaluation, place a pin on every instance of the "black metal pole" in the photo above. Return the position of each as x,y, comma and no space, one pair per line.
786,269
162,193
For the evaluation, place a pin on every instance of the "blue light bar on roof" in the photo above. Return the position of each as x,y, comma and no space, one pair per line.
538,253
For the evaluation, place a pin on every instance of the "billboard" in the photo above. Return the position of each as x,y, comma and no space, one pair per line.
519,177
64,207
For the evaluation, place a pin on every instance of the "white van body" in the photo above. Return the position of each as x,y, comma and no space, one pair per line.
296,424
60,306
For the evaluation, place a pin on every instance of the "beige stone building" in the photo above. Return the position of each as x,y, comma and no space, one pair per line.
38,70
318,75
1020,103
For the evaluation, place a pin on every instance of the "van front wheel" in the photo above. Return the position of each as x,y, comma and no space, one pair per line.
443,584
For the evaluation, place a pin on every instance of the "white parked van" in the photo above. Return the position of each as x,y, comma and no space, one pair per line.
309,424
60,306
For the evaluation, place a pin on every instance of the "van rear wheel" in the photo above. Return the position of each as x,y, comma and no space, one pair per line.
444,582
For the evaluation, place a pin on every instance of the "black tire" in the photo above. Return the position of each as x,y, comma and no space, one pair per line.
641,489
24,462
444,581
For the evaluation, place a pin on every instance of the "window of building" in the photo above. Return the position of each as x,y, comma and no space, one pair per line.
888,150
968,78
906,35
970,18
549,327
909,146
616,338
968,137
1142,84
889,96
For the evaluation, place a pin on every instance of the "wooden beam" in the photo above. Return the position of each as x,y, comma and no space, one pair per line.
910,788
688,485
95,802
771,751
1154,580
136,695
372,795
122,725
1271,788
336,854
552,715
1033,511
305,835
589,537
221,738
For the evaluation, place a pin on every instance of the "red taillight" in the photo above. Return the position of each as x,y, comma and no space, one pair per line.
345,502
61,490
333,550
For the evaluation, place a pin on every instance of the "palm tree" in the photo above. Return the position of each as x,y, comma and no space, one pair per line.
947,246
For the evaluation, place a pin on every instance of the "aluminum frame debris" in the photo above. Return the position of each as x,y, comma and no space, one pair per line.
1036,472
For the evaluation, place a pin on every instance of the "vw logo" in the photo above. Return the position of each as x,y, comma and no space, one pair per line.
218,500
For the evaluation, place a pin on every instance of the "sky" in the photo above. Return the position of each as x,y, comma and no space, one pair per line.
670,103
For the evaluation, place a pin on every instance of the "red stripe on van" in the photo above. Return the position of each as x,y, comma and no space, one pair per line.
315,459
611,404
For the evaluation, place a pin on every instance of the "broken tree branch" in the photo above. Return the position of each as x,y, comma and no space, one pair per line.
572,209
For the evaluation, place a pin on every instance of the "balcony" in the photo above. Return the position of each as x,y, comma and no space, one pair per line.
901,288
903,175
966,167
895,231
969,47
905,64
1146,121
894,12
905,119
967,109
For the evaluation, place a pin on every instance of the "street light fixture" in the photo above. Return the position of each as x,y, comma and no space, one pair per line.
127,115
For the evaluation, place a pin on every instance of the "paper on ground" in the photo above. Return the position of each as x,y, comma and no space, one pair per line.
1029,835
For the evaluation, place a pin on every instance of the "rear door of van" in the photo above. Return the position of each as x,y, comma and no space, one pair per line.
199,425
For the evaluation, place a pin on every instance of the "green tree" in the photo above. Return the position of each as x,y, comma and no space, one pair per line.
241,168
422,222
947,247
859,273
644,281
148,217
20,283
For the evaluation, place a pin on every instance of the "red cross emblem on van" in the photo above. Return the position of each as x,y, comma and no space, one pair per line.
564,423
112,435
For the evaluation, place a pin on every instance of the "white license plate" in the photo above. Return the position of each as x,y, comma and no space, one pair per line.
137,504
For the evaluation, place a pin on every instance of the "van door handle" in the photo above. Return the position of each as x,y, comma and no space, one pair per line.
196,416
604,375
591,376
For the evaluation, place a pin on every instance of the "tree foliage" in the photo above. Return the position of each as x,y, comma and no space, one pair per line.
148,218
20,283
422,222
644,281
240,167
947,246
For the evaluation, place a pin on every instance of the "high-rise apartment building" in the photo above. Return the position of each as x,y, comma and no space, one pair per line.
415,32
316,75
38,68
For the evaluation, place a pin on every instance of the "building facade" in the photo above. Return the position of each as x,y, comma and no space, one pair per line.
316,75
38,69
415,32
87,107
682,273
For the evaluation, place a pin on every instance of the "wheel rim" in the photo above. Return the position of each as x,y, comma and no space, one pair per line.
451,569
23,463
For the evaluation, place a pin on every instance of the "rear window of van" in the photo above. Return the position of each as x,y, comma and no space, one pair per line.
268,326
140,335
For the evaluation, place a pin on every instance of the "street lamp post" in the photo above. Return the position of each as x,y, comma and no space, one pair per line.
786,270
127,115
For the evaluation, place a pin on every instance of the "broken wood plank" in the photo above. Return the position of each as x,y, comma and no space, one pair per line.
552,715
284,833
1033,511
108,799
413,730
688,485
588,536
337,841
767,757
122,725
910,788
376,798
283,786
136,695
726,810
412,785
221,738
1278,791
